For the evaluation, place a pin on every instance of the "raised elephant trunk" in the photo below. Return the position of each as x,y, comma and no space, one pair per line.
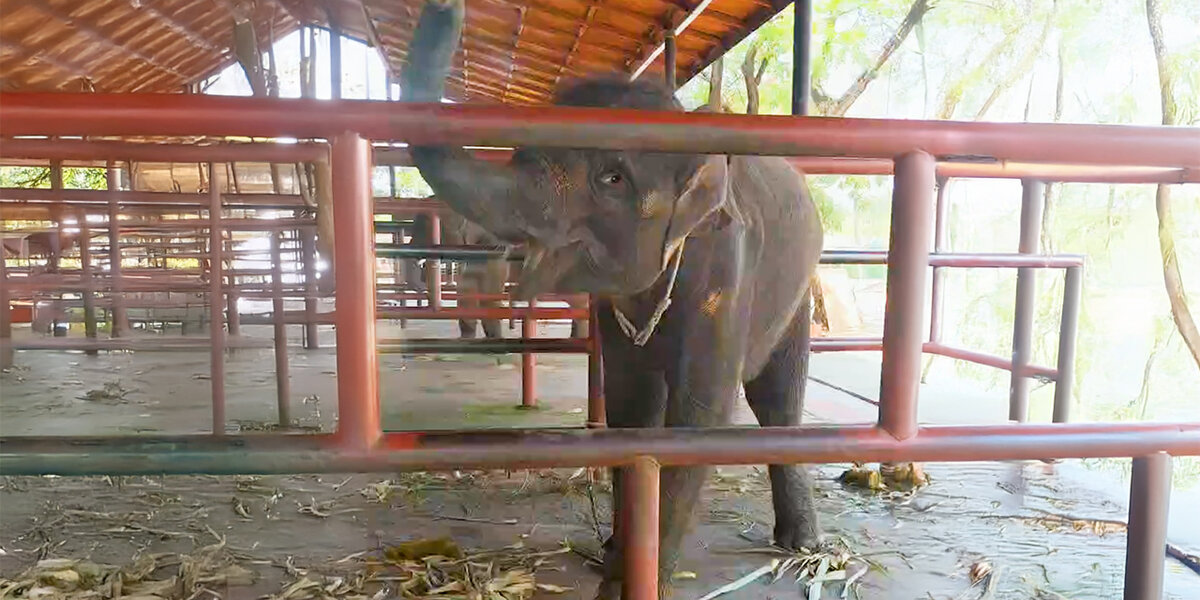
702,265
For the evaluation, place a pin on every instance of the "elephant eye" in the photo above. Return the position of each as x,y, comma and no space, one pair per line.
611,178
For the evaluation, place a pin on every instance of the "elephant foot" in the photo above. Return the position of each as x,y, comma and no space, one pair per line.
799,534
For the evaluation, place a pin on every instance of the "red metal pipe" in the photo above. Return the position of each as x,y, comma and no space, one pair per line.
990,360
120,323
549,448
463,124
433,267
1068,330
216,322
941,235
283,385
85,267
1044,171
908,259
60,149
639,510
357,363
1032,205
311,333
415,313
6,348
1149,504
528,362
595,382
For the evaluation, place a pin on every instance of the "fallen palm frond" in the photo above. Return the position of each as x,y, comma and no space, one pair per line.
811,569
433,569
150,577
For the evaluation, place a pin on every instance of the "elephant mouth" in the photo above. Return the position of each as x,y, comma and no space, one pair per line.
580,266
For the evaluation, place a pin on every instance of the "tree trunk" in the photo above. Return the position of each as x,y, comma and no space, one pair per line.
1018,70
915,13
751,81
1172,278
716,80
1051,194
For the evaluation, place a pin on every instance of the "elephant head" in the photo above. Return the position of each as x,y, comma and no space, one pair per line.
605,222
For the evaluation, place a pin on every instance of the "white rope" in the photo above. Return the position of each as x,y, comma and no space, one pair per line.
641,337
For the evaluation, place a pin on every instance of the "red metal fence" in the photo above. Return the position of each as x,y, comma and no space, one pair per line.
361,445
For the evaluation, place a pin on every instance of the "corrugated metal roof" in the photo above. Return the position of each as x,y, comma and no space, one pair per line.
514,51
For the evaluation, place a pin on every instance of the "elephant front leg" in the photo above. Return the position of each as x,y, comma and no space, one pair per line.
702,387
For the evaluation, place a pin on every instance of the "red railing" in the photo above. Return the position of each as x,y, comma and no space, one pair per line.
359,443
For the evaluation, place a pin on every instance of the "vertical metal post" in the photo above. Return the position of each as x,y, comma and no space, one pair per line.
595,382
669,58
308,242
1032,204
216,330
357,361
1149,504
908,260
802,50
120,322
1067,332
85,270
282,379
639,507
6,349
56,305
941,229
433,266
335,62
528,364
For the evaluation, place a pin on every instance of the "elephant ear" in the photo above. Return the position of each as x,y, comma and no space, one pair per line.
704,190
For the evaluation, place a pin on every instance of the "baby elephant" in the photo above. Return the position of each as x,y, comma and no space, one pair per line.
703,264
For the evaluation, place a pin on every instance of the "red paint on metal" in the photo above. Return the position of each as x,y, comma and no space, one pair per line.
1149,505
1032,205
1068,330
639,509
433,267
283,384
1044,171
102,150
908,259
216,329
595,382
528,362
447,450
357,363
990,360
461,124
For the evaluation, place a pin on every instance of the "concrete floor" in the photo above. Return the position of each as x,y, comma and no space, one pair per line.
994,512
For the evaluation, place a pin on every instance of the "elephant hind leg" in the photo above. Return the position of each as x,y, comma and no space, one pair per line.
776,395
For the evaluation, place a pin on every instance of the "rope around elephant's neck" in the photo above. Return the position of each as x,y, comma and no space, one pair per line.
640,338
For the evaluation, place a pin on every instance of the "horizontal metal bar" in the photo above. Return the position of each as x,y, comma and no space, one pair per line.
614,129
963,260
989,360
60,149
146,343
483,346
500,448
1004,170
828,257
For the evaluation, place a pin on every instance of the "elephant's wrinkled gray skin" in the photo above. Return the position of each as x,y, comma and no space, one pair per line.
740,235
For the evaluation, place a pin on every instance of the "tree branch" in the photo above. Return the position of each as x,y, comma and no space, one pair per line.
1021,67
915,13
1172,278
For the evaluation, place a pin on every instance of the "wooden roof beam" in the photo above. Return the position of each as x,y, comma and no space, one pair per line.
90,30
583,27
24,55
173,24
